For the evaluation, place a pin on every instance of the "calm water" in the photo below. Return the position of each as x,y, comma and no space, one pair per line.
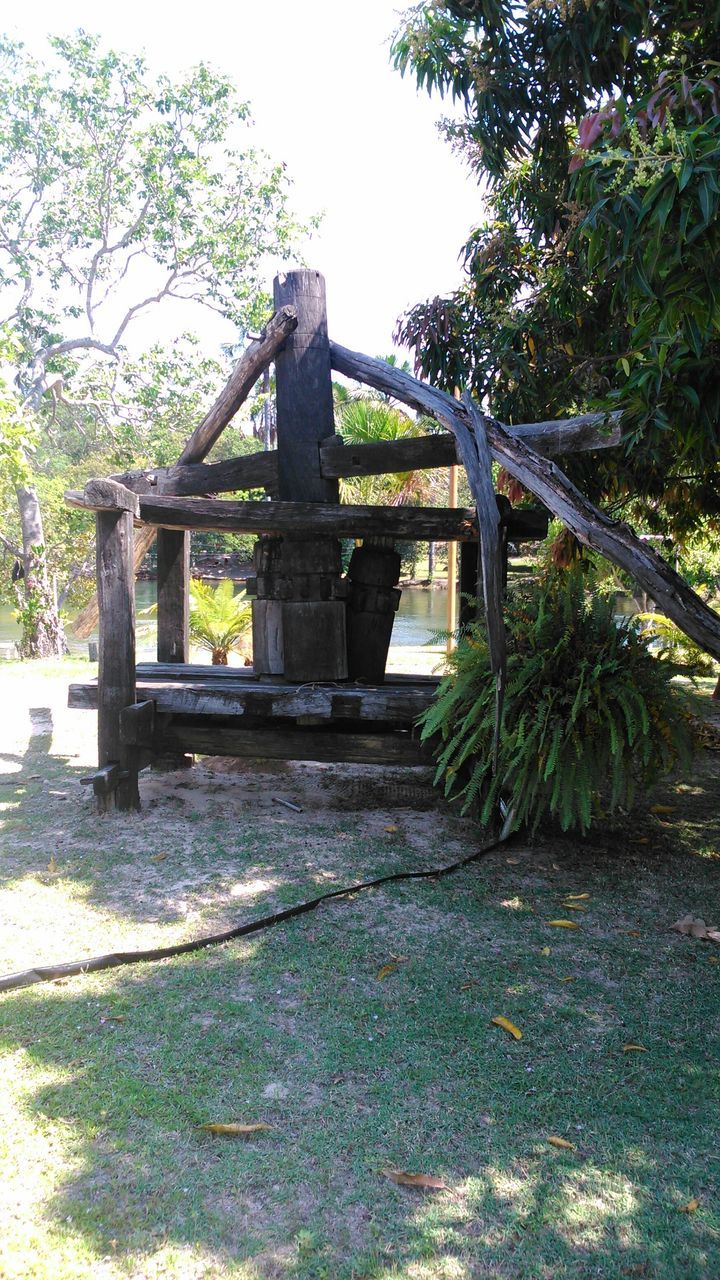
421,614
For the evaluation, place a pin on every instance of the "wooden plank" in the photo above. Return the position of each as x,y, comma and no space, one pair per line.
116,650
173,595
310,518
400,703
137,723
293,744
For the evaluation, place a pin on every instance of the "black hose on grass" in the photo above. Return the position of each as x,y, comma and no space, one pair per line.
50,973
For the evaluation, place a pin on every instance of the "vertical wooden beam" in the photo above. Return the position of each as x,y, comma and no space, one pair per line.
452,568
304,390
313,640
116,651
469,585
173,595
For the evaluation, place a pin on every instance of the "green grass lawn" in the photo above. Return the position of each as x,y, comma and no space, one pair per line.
105,1171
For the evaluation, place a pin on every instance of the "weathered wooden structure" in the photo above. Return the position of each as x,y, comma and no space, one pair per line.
317,688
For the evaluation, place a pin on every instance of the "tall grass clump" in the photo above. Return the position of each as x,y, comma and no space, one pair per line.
590,714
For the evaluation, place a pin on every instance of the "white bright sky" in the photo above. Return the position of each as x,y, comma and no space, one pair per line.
358,140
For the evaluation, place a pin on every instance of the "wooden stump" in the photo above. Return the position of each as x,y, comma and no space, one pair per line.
116,654
372,604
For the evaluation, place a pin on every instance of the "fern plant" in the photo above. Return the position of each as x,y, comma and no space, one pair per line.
218,618
590,714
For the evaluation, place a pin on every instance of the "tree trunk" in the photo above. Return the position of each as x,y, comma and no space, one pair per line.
42,632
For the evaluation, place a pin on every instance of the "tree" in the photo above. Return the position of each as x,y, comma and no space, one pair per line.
593,282
118,191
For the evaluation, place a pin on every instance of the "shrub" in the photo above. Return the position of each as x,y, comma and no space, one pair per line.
218,618
589,712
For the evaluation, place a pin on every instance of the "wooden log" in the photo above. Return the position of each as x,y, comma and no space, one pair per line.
256,471
304,389
399,748
104,495
105,781
612,538
116,652
254,360
373,600
310,519
257,356
469,583
173,595
398,703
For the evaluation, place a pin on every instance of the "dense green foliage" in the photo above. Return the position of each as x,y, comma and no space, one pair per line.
590,714
592,281
218,618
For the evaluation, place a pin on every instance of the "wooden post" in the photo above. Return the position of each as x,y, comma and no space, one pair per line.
452,569
173,595
116,652
313,640
372,604
469,593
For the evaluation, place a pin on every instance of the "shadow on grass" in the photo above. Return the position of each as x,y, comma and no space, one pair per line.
354,1080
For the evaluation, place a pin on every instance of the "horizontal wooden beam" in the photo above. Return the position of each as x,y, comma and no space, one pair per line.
256,471
239,697
104,495
440,524
398,748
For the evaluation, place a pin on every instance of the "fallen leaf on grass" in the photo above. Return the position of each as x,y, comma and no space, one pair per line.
544,951
465,986
112,1017
573,906
562,1143
663,808
713,959
52,865
564,924
158,857
236,1130
634,1048
513,862
425,1181
508,1026
630,933
696,927
642,840
690,1207
568,979
576,897
390,828
386,970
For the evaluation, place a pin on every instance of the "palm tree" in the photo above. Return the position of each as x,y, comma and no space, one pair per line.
367,417
218,618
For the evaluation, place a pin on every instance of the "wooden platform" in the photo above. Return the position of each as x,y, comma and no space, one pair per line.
229,711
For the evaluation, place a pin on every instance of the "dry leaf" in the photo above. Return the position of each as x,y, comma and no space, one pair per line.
158,857
513,862
630,933
642,840
236,1130
52,865
508,1026
386,970
390,828
568,979
112,1017
634,1048
663,808
562,1143
544,951
576,897
690,1207
713,959
572,906
423,1180
696,927
465,986
564,924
